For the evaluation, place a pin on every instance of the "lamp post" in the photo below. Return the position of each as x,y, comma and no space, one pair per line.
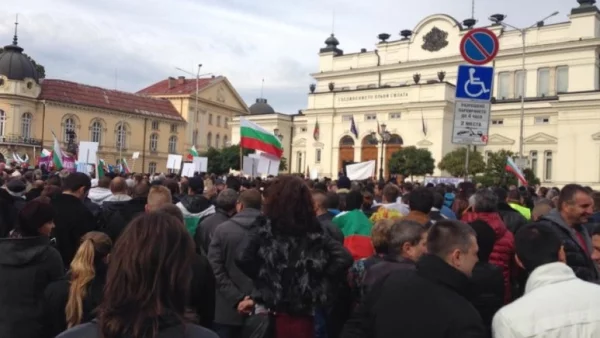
276,133
385,137
498,19
197,75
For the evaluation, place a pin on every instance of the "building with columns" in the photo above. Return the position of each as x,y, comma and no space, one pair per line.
408,84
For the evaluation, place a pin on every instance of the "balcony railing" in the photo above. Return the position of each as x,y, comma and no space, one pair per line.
20,140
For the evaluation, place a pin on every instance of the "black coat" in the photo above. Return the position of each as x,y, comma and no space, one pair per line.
512,218
232,284
206,229
330,228
430,302
203,291
488,291
9,211
27,266
33,194
116,215
73,220
90,330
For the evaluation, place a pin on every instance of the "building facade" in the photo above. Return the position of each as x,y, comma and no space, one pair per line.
409,85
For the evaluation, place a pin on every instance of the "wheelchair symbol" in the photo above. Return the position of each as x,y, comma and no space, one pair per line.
475,81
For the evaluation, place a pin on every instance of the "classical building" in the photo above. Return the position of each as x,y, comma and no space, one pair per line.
408,84
207,104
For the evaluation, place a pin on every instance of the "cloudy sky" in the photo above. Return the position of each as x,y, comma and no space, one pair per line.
143,41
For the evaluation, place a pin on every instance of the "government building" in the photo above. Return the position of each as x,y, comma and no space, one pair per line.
168,117
408,84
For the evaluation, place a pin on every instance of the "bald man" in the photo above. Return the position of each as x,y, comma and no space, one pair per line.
119,190
158,197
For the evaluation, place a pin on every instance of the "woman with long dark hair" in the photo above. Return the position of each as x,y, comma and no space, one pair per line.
73,300
294,265
147,284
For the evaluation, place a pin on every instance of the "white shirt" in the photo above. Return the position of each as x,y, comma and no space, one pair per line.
556,304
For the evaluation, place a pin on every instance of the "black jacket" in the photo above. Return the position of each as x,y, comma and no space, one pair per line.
27,266
116,215
9,211
73,220
57,295
430,302
90,330
488,291
293,274
232,284
512,218
203,291
578,258
330,228
206,229
33,194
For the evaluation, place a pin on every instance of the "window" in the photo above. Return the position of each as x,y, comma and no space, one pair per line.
542,120
218,121
533,159
520,84
498,122
302,129
155,125
226,122
121,136
173,145
209,140
26,125
346,117
152,167
562,79
543,85
548,166
299,162
503,85
153,142
370,117
395,116
96,131
195,137
217,140
317,155
2,122
210,119
225,144
69,125
173,128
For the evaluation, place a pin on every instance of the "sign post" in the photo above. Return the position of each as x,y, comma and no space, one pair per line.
474,86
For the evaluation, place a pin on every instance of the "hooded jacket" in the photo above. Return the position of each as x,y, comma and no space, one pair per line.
99,195
194,209
116,215
27,266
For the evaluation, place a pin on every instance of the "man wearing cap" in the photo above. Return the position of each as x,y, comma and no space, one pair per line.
195,206
16,188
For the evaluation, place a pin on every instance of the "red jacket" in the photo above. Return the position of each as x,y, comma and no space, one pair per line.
504,248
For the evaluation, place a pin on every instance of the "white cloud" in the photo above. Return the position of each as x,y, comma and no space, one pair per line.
245,40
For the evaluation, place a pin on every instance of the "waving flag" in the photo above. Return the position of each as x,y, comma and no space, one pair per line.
57,154
258,138
511,167
316,131
353,128
193,151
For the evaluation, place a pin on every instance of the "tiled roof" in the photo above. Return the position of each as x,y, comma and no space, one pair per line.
178,86
84,95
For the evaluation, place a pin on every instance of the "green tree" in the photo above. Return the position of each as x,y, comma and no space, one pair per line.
495,172
283,164
40,69
412,161
221,160
454,162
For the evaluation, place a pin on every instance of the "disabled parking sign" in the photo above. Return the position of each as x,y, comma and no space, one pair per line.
474,83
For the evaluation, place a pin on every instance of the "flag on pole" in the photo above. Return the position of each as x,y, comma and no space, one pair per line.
100,170
423,124
57,154
125,166
378,128
193,151
316,131
46,153
256,137
353,128
511,167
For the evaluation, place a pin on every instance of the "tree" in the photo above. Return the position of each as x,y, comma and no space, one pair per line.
221,160
41,70
283,164
454,162
412,161
495,172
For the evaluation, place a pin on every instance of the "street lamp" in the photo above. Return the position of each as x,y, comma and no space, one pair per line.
385,137
276,133
197,75
499,19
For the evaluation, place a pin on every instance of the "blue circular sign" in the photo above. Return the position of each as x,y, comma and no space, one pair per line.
479,46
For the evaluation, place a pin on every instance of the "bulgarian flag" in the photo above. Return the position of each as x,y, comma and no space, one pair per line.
256,137
46,153
511,167
100,169
316,131
193,151
57,154
356,228
125,166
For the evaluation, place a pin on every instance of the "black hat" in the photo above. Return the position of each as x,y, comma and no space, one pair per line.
344,183
196,184
16,187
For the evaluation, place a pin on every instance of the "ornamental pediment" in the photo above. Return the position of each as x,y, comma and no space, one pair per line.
424,143
300,143
540,138
318,145
496,139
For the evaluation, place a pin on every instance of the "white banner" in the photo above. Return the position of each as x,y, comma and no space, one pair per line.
174,161
360,171
201,164
188,170
87,152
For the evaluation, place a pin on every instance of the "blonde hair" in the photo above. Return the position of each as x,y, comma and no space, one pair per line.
158,196
380,234
94,246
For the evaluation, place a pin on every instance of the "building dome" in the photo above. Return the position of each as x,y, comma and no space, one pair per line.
332,41
15,65
261,107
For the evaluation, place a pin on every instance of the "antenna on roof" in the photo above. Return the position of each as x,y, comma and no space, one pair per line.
333,22
116,78
473,9
262,87
15,39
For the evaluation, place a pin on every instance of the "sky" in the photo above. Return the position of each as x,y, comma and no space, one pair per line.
131,44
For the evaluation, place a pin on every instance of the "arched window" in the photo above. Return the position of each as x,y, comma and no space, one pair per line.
225,144
217,140
347,141
152,167
209,140
121,136
153,142
2,122
96,131
173,145
68,125
26,125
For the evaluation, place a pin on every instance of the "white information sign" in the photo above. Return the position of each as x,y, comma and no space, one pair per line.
471,122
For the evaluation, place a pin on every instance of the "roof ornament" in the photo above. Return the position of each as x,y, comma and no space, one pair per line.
15,38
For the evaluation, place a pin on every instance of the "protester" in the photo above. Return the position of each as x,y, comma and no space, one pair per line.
325,217
119,191
516,201
420,202
28,263
556,303
225,208
355,226
436,210
390,199
512,218
102,192
292,262
116,215
195,206
158,196
8,211
430,302
596,244
35,191
73,300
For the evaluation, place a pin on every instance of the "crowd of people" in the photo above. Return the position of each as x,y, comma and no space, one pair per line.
138,255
